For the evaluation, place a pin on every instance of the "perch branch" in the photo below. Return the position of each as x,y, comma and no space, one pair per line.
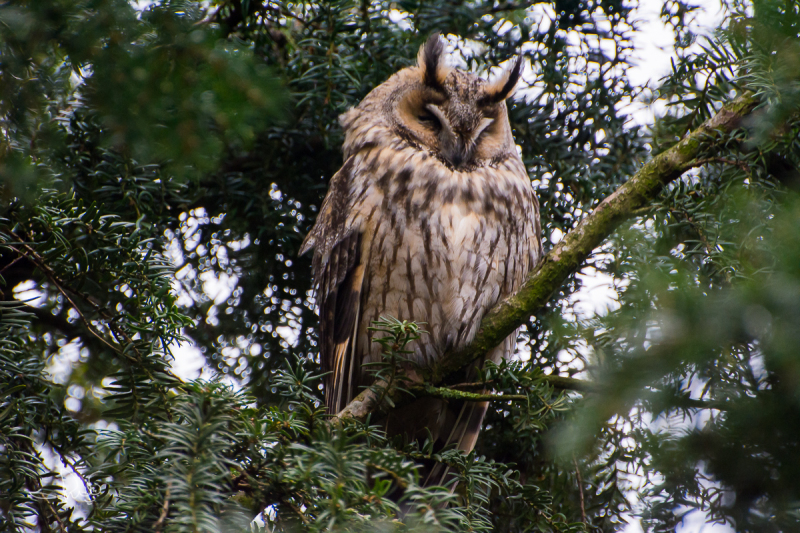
569,254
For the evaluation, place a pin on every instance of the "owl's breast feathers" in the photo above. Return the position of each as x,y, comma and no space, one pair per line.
400,234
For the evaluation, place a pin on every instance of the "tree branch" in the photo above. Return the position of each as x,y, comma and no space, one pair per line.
454,394
558,382
569,254
555,381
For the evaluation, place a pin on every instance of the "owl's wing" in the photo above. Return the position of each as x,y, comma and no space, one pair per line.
338,272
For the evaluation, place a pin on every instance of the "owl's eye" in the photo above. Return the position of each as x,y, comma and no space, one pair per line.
429,119
482,128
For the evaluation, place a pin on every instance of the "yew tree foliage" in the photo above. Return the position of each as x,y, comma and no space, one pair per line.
159,168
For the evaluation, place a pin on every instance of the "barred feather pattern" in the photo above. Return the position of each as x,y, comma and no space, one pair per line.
403,232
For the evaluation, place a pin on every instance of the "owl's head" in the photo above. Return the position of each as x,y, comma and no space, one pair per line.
458,117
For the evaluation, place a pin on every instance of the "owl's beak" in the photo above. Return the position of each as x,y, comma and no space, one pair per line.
456,153
459,148
455,149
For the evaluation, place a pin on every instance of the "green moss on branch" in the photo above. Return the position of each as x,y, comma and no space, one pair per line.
453,394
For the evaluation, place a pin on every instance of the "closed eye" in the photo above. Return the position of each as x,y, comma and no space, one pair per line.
433,117
482,128
429,119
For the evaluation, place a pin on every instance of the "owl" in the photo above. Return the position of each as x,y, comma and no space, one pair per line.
432,218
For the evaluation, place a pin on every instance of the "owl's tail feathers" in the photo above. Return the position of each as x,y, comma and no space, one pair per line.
461,423
463,429
446,423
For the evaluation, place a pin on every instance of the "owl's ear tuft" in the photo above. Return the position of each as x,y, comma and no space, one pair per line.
431,61
503,87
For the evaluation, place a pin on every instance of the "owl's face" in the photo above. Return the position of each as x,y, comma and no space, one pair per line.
458,117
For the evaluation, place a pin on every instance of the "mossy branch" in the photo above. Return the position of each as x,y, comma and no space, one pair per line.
570,253
455,392
557,382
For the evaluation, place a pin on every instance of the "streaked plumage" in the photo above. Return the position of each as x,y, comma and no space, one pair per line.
431,218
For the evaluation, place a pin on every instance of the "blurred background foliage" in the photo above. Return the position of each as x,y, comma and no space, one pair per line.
161,162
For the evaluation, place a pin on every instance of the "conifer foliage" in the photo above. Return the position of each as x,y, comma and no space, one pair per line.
161,163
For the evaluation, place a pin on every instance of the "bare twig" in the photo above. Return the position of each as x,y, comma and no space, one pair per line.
30,254
55,515
580,488
454,393
724,160
72,467
164,511
557,382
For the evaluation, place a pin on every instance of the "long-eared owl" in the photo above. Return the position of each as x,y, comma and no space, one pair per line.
432,218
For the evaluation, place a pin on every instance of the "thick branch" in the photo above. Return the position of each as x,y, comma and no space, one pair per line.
570,253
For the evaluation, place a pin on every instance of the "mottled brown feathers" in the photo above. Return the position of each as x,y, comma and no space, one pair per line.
432,218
